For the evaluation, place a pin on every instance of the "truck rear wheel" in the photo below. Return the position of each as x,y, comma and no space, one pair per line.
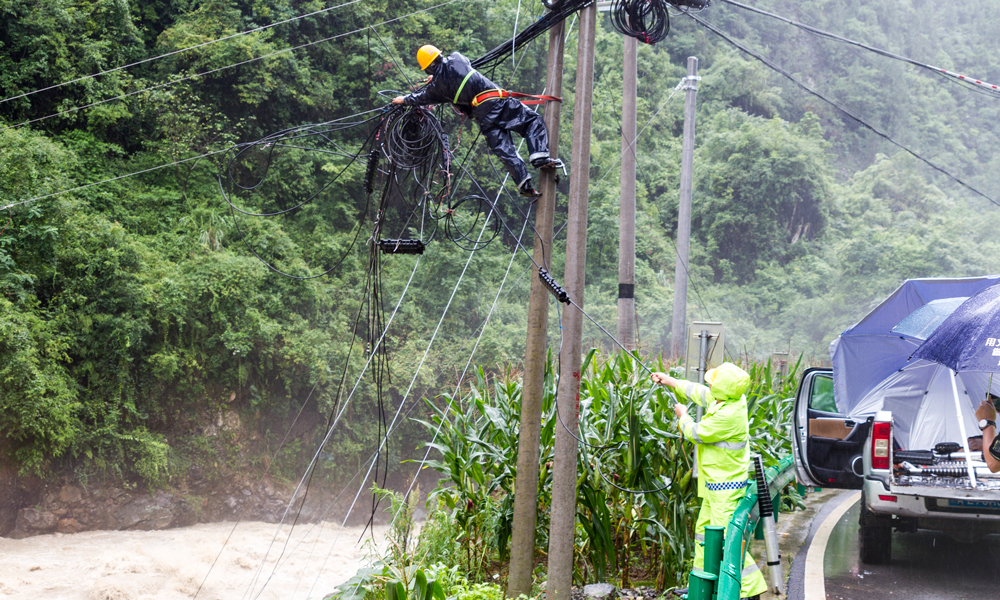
874,536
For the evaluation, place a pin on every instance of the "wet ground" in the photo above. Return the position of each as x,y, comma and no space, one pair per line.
925,566
793,534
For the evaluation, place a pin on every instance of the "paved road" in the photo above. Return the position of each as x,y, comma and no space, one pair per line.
925,566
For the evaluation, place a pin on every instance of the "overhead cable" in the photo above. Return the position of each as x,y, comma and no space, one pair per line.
303,481
831,36
180,51
840,108
461,378
416,374
494,57
156,168
229,66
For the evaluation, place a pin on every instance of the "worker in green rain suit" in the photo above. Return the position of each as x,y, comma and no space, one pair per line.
723,441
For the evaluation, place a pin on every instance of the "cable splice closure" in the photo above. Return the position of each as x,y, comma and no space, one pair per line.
371,171
401,246
553,286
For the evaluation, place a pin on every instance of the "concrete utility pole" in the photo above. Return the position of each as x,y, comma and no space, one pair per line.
626,217
563,514
678,339
522,547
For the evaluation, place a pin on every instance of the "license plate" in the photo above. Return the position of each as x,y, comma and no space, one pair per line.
987,504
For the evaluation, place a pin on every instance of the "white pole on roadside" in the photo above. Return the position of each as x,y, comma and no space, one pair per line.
961,429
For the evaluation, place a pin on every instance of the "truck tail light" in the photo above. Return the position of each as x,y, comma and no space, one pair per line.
881,435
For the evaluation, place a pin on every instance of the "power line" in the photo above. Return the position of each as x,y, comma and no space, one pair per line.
83,187
230,66
182,50
840,108
330,429
831,36
156,168
416,373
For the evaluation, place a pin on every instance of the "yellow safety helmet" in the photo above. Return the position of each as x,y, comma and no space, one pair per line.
711,375
426,55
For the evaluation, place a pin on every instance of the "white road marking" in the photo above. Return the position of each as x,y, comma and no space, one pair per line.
813,583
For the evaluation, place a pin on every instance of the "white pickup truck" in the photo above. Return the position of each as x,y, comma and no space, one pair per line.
930,491
899,440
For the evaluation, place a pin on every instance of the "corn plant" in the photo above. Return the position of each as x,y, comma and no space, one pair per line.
636,503
770,402
635,498
477,447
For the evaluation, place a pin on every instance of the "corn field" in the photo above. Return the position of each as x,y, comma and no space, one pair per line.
636,500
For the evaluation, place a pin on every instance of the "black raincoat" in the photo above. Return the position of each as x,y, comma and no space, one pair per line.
455,81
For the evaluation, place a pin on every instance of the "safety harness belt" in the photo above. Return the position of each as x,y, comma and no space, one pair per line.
493,94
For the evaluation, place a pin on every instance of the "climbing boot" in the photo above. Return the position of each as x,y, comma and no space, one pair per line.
529,192
547,163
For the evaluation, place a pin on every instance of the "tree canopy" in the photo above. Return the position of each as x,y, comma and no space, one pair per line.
131,311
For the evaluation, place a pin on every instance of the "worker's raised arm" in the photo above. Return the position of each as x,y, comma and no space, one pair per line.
685,390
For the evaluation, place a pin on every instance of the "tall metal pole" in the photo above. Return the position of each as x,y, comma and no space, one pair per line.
522,547
626,224
678,339
563,514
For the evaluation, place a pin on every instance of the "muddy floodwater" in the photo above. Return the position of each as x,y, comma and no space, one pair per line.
252,560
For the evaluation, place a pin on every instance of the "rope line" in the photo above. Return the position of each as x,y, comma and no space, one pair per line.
230,66
840,108
886,53
180,51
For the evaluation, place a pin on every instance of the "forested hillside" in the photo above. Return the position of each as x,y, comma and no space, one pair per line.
133,316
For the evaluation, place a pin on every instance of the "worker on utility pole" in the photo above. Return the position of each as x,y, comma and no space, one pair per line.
723,441
453,80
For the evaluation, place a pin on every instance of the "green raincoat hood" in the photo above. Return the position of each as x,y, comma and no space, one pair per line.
730,382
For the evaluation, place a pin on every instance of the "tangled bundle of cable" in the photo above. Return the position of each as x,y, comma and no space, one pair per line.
413,139
646,20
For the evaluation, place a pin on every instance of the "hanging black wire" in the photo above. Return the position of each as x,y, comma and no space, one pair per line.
645,20
464,217
556,15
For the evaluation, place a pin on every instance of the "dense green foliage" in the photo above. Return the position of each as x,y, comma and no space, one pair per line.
131,315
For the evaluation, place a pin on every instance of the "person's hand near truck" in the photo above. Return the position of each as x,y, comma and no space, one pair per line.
986,415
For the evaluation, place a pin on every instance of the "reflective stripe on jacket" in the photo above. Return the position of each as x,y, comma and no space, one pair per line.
723,434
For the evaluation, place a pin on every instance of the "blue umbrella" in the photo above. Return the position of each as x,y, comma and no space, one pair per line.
879,345
968,340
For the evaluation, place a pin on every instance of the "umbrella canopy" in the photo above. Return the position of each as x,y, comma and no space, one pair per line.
968,340
870,351
920,398
923,321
